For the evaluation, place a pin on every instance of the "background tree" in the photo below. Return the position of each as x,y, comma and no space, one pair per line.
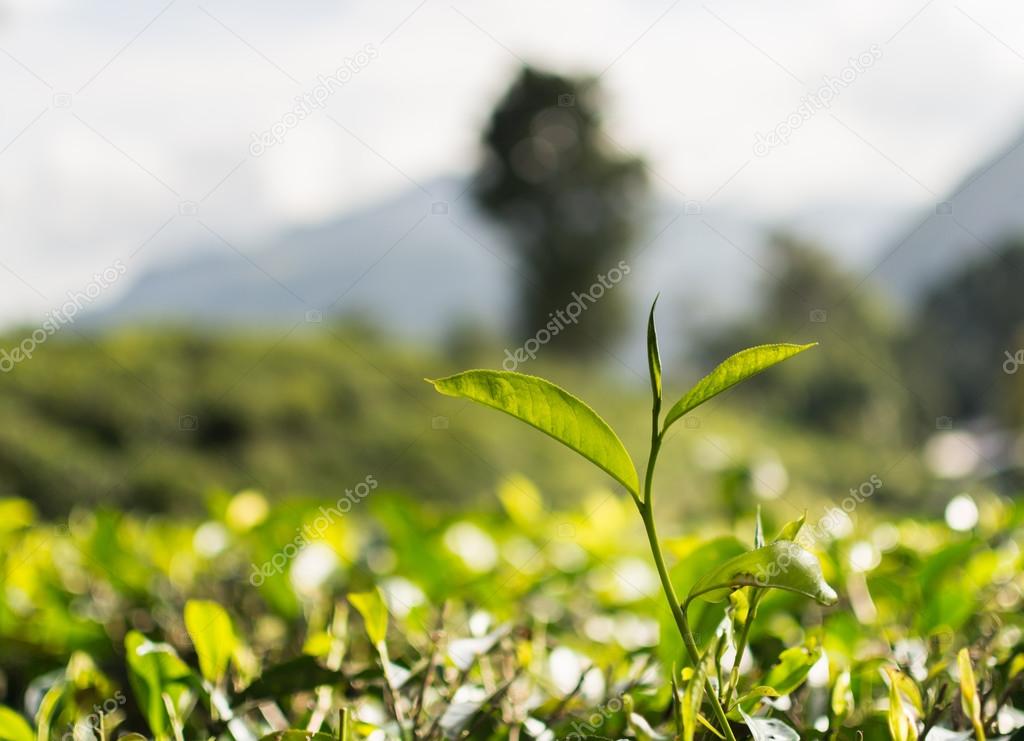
854,383
961,334
567,198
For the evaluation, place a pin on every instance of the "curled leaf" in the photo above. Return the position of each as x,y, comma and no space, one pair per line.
780,565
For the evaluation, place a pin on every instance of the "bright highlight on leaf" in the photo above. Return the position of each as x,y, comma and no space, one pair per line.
374,610
731,371
970,702
550,409
780,565
209,627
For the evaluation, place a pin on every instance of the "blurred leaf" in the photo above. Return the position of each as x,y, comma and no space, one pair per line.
730,372
281,680
970,701
907,687
551,410
374,609
769,729
13,727
902,725
298,736
792,668
842,696
155,670
522,501
693,696
209,627
781,565
653,354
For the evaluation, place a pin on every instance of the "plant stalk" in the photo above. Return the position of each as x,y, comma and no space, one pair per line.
678,613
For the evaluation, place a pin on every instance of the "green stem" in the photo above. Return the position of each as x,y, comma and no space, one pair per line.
741,645
646,509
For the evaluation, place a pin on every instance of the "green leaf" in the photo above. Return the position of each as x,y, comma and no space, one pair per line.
693,696
653,354
792,668
970,701
298,736
790,530
902,723
769,729
550,409
155,669
733,370
13,727
374,610
780,565
213,636
296,675
842,696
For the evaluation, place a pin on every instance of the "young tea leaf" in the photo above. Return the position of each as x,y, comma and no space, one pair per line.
791,529
374,610
653,354
733,370
213,636
551,410
970,701
780,565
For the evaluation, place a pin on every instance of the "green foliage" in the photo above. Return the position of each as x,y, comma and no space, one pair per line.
13,727
374,610
780,565
783,565
735,369
551,410
209,627
536,622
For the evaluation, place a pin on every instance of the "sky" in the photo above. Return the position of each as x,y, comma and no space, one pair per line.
127,131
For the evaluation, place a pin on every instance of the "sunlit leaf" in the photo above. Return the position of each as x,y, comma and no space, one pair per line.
298,736
790,530
374,609
13,727
550,409
842,696
970,701
731,371
155,671
693,696
780,565
209,627
792,668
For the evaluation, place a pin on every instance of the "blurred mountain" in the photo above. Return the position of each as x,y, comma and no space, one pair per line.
418,264
972,222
